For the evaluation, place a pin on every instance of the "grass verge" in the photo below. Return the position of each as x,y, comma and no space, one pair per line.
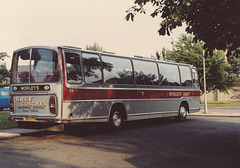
222,103
4,122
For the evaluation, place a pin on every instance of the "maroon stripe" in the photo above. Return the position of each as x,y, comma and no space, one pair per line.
98,94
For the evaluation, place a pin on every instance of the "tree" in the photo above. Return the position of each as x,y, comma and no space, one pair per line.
94,47
234,61
218,72
4,73
216,23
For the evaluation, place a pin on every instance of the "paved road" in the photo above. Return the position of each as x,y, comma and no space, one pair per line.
198,142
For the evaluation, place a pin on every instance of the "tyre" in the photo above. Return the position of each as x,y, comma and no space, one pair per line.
182,113
116,119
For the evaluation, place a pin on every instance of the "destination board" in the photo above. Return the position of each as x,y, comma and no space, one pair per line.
31,88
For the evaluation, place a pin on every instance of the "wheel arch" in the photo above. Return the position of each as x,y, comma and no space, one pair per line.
185,103
118,105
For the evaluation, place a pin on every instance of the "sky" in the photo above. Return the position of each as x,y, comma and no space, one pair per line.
79,23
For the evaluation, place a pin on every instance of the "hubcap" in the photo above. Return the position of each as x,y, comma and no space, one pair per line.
117,119
183,111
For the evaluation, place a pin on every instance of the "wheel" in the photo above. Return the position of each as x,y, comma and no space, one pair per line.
182,113
116,119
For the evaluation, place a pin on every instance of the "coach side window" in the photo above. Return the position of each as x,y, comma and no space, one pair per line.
146,73
92,68
117,70
169,75
73,68
195,78
186,78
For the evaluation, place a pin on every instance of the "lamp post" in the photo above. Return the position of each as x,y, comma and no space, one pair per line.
205,85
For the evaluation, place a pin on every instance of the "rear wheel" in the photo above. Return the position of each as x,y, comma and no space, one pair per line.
116,119
182,113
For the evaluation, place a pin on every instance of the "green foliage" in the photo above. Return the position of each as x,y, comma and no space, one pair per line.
158,55
94,47
218,72
234,61
222,103
4,73
4,122
3,55
215,22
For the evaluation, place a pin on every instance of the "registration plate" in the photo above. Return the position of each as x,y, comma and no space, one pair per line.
30,119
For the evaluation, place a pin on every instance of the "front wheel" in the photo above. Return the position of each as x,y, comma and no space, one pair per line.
116,119
182,113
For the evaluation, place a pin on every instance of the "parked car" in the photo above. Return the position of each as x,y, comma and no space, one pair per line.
4,98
